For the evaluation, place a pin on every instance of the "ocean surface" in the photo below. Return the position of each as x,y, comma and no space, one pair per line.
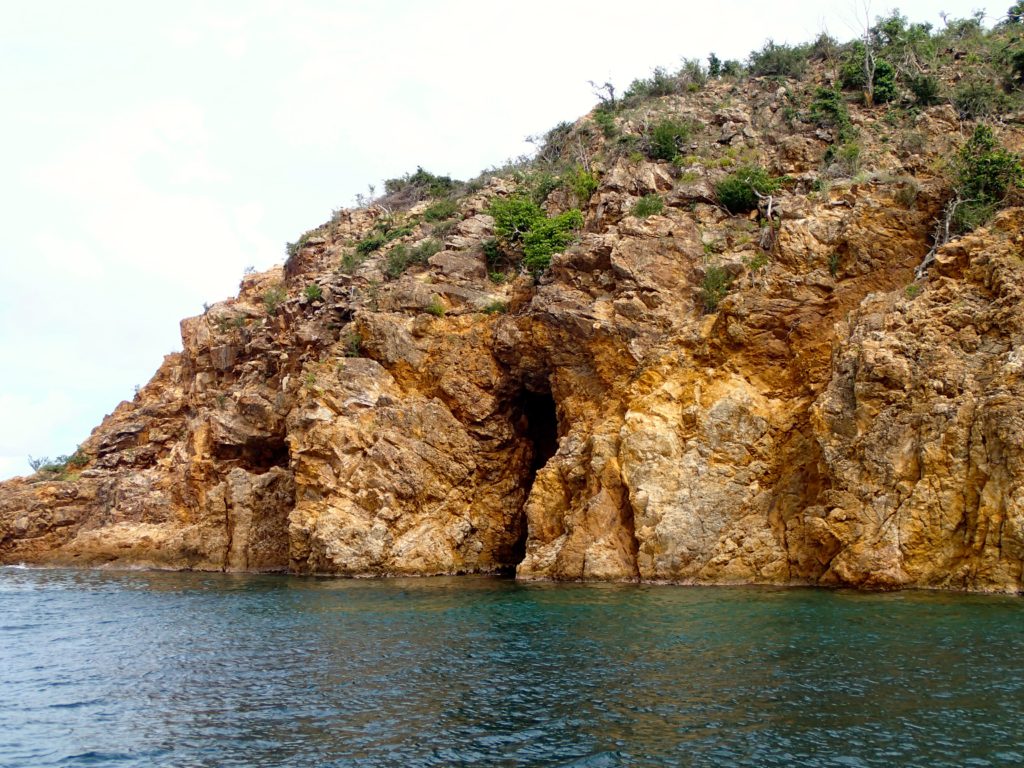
184,669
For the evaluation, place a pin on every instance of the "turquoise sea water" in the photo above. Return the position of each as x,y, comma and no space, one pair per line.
180,669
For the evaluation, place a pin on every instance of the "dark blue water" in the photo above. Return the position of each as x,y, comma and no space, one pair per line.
171,669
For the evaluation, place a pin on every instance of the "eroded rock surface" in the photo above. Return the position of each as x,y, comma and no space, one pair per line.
825,424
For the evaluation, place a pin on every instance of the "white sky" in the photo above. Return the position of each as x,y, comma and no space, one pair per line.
151,151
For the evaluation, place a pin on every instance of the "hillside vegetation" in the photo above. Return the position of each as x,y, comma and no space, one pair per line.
744,322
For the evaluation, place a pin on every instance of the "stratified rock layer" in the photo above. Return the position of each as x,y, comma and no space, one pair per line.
825,425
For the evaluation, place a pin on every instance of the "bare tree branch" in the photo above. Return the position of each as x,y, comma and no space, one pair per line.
942,234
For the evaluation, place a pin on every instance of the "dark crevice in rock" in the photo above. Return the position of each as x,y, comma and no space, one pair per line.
256,456
540,419
537,423
518,549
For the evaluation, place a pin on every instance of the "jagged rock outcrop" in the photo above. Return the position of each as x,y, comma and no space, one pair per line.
826,424
922,425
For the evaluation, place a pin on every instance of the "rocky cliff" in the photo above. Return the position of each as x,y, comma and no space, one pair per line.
688,396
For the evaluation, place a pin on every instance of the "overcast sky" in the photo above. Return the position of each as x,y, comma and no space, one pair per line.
151,151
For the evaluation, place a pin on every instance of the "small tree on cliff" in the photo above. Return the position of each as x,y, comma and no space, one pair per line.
984,176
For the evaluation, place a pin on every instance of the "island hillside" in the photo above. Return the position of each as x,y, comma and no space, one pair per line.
746,322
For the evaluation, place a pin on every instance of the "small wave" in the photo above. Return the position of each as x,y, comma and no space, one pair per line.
93,757
75,704
597,760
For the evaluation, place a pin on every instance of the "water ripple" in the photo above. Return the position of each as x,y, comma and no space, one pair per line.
169,669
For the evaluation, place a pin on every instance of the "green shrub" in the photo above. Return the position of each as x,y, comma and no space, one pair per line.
692,74
273,298
313,292
775,60
648,205
60,466
292,249
492,252
844,158
731,68
405,191
513,217
714,287
885,89
397,261
547,237
853,77
496,308
391,232
605,119
553,144
583,184
442,229
421,184
757,262
384,232
913,143
902,41
660,83
824,48
926,89
986,170
851,70
738,191
350,262
519,220
353,344
985,173
907,193
441,210
967,30
436,307
372,242
666,139
538,184
889,30
974,98
401,257
1015,62
714,65
424,249
829,111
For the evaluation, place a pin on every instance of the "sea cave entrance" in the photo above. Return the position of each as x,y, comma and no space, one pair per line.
536,423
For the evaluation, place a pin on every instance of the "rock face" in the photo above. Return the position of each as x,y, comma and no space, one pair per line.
922,426
830,422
